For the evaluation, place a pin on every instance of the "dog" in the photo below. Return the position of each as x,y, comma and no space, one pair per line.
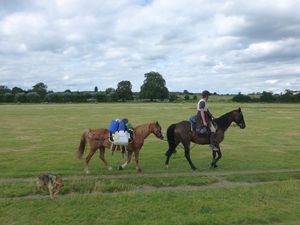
53,182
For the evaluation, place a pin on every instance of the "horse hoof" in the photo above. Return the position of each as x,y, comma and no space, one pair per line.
213,166
194,169
167,166
87,171
120,168
139,170
110,168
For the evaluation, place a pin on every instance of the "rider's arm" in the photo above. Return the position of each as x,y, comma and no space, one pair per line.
201,109
203,118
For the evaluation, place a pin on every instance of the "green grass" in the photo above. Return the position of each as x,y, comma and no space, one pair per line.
264,204
264,177
40,138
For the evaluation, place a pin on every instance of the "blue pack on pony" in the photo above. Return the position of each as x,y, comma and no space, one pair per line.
116,125
122,126
113,127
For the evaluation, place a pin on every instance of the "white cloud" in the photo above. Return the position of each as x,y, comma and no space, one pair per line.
195,45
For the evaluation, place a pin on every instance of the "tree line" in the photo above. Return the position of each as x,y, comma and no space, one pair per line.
153,88
288,96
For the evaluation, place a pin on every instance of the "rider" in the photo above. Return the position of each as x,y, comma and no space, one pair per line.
204,121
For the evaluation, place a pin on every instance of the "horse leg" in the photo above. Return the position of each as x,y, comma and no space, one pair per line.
102,157
137,165
127,162
218,158
171,150
213,162
187,154
87,160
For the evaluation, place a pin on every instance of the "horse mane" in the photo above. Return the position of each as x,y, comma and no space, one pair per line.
142,128
223,121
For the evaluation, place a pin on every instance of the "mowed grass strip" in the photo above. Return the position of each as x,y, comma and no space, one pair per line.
21,189
264,204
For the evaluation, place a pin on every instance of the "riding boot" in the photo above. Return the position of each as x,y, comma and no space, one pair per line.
213,142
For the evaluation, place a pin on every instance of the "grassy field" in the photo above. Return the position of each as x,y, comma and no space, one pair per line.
39,138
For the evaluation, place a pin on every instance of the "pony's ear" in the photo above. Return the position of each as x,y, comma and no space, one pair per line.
239,109
156,123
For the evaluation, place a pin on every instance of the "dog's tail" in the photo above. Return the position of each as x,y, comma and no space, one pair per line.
82,144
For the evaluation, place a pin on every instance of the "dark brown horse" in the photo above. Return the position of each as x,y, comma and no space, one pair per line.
99,139
182,133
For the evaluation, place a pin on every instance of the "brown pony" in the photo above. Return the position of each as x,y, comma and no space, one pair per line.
182,133
99,139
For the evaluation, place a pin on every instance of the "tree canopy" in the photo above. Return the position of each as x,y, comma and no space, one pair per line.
124,90
154,87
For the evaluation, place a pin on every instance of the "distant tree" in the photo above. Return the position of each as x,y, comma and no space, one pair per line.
4,89
8,97
40,89
195,97
112,97
154,87
68,90
20,97
172,97
33,97
67,97
55,97
96,89
241,98
267,97
110,90
124,90
101,97
186,97
16,90
186,92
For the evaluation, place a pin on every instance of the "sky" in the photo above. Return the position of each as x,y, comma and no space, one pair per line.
222,46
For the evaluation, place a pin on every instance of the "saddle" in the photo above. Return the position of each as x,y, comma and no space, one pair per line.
200,130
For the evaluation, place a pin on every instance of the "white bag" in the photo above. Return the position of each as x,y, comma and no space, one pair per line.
121,137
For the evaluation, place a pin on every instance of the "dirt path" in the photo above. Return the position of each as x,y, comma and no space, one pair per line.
212,173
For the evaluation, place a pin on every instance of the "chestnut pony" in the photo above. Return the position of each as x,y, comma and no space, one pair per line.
99,139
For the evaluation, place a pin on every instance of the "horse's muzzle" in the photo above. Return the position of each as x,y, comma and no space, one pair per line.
242,125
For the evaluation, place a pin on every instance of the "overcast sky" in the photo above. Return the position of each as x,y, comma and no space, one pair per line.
222,46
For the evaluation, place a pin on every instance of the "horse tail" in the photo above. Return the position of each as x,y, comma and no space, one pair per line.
171,138
82,143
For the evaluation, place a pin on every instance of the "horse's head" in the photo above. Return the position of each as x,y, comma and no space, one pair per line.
156,130
238,118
